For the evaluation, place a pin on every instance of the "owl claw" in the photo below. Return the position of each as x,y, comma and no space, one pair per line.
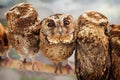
5,61
23,64
8,61
69,67
35,65
58,67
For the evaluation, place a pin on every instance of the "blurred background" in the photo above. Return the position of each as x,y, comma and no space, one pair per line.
109,8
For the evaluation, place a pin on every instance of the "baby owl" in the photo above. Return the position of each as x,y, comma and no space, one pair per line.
92,60
57,37
24,26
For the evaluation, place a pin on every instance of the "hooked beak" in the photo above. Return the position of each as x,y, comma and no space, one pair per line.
60,30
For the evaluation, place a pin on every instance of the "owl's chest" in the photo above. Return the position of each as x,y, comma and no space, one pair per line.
23,45
53,48
57,52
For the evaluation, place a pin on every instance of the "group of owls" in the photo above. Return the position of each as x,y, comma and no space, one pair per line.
95,41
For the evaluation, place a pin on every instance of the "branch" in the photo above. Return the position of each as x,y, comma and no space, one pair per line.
28,66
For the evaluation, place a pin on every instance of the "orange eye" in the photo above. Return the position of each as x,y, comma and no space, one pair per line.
51,23
66,21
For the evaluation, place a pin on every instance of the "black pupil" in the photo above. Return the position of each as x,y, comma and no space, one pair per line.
66,21
51,23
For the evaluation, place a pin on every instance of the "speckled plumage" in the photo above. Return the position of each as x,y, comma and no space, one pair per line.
92,59
57,37
24,26
115,50
22,19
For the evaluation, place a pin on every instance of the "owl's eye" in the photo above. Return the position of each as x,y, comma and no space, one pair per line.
51,23
66,21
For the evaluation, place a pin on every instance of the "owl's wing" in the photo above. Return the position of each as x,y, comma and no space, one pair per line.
92,52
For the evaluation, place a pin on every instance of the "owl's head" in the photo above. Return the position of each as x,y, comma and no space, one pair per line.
93,19
21,15
59,28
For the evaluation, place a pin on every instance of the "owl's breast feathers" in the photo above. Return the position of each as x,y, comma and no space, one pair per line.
56,52
25,44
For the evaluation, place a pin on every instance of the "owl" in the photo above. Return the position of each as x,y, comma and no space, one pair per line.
4,44
92,59
115,50
24,25
58,37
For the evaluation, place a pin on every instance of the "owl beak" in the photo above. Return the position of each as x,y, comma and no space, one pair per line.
60,30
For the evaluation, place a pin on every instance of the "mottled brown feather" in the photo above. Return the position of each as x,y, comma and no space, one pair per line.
57,40
115,50
24,25
92,47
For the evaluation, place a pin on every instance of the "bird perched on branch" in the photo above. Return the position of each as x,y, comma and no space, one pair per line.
92,60
57,37
115,50
4,43
24,25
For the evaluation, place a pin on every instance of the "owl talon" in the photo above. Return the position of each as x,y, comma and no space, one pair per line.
5,61
8,61
22,67
58,67
69,67
22,64
35,65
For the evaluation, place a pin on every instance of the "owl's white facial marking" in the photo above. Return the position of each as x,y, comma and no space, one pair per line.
58,28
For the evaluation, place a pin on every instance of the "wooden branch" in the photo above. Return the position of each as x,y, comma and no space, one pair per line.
28,66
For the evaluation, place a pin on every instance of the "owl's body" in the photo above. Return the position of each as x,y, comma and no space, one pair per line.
92,58
4,43
56,52
24,30
26,46
57,37
115,50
